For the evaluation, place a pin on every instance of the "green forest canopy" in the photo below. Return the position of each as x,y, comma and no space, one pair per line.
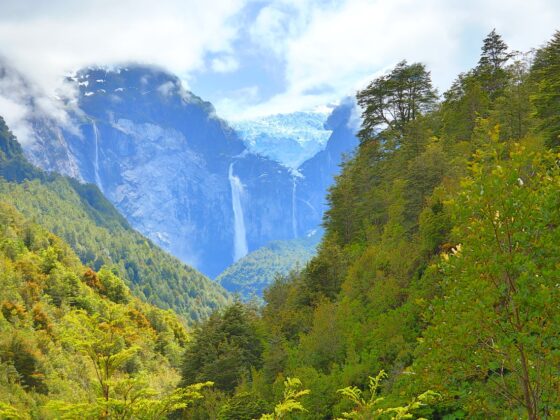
434,292
440,261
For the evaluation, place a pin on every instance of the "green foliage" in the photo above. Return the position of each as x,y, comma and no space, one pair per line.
369,409
396,99
75,343
243,406
491,66
290,403
138,402
355,395
250,275
439,262
546,73
224,349
495,331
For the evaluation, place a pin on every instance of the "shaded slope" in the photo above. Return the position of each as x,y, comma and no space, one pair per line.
100,236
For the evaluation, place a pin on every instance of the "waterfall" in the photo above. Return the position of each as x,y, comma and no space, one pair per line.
96,156
239,235
294,221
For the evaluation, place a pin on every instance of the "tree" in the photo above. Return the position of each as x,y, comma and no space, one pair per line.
102,339
136,401
391,101
546,100
491,65
290,402
494,52
223,350
493,338
370,408
243,406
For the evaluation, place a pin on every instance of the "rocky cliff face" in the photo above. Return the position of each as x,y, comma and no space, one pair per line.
163,157
177,172
318,172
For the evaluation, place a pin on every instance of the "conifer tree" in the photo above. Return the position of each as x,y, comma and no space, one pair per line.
491,66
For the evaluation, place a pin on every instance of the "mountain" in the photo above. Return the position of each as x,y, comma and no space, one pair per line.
290,139
253,273
100,236
179,174
250,275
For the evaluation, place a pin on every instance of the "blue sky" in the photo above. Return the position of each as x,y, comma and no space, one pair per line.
254,57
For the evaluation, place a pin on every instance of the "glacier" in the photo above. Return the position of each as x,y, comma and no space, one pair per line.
289,139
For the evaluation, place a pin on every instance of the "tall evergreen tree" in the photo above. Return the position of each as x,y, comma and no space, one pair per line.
225,349
492,63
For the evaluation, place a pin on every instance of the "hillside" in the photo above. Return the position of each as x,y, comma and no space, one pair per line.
74,343
101,237
253,273
434,292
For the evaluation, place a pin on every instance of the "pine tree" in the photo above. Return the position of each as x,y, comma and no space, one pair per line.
223,350
492,63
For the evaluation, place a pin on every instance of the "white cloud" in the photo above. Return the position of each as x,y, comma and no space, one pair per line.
47,39
165,89
15,114
237,100
326,48
347,44
224,64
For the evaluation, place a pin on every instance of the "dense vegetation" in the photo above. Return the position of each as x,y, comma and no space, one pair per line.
439,265
250,275
101,237
434,291
74,343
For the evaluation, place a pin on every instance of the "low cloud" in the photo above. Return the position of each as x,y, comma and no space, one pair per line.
48,39
319,50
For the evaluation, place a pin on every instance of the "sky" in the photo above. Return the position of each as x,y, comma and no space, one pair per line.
253,58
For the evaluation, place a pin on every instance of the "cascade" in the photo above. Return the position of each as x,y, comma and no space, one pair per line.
96,156
294,221
239,235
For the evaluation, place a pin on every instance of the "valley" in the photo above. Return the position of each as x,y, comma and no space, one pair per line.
358,218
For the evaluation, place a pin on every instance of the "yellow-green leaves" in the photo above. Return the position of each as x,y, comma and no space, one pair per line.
292,393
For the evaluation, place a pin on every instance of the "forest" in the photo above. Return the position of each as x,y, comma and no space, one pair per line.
434,293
